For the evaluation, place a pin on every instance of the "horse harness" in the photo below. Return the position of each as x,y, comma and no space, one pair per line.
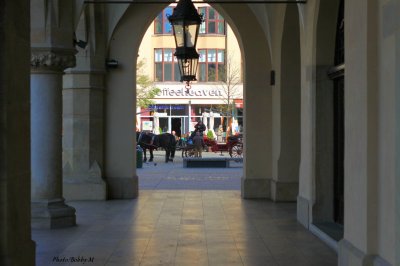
148,144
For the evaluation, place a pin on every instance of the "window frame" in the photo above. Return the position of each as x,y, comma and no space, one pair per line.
164,21
217,19
173,62
206,62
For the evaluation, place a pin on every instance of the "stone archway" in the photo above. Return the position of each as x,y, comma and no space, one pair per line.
120,170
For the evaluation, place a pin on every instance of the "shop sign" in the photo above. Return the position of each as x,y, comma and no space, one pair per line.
192,93
161,114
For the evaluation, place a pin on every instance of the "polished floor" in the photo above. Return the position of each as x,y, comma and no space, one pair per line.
183,227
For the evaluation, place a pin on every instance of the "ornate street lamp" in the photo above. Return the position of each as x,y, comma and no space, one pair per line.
185,23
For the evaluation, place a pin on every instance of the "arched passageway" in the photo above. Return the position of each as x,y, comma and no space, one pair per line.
120,108
371,212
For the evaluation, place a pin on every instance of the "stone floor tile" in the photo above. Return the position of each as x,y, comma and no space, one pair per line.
185,227
259,260
190,262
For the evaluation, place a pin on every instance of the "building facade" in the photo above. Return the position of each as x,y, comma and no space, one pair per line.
214,98
321,115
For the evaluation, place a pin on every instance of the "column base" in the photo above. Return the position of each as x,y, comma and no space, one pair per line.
52,214
123,187
27,249
303,211
256,188
85,190
284,191
349,255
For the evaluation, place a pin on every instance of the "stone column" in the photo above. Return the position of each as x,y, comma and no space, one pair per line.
48,207
16,245
361,239
257,94
286,113
83,136
83,108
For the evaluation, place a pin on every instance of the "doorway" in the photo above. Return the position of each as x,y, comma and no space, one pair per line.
176,125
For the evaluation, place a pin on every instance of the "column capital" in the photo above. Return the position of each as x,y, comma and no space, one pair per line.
52,59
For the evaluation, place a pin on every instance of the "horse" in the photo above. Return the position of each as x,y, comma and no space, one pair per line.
151,141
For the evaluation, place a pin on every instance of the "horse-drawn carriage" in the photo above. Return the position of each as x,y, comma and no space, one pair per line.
150,141
233,145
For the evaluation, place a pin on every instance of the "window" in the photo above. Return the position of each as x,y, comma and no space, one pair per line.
161,23
165,65
211,65
213,22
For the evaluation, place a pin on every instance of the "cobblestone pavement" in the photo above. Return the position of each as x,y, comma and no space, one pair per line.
161,175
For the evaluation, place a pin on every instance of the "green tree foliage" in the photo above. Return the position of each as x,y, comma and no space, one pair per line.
145,89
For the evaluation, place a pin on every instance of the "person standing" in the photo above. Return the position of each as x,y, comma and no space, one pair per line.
200,127
198,143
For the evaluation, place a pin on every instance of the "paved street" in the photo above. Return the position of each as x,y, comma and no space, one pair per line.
161,175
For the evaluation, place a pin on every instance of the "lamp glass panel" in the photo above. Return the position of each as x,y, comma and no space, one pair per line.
178,33
191,35
195,63
177,74
188,68
185,67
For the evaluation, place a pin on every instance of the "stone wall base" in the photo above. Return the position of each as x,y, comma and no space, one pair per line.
52,214
349,255
123,187
256,188
284,191
85,191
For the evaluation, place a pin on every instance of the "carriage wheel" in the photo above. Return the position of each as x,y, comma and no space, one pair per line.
190,153
187,153
236,151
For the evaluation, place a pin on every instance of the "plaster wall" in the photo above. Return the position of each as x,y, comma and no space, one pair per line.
233,50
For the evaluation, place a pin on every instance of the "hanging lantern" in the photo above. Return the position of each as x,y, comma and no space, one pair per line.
185,22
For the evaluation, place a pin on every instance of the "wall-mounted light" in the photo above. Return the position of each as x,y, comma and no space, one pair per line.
112,63
80,43
272,79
